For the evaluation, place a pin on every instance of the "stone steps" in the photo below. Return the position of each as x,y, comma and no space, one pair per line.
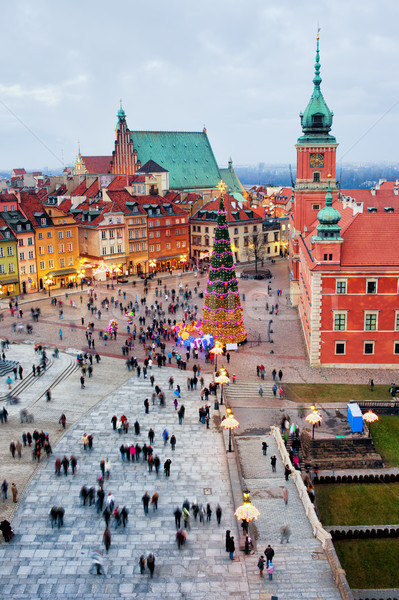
249,389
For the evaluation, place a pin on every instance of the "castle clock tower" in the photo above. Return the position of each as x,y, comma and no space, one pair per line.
316,167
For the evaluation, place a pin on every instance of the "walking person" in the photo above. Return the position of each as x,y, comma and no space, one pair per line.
261,565
151,564
285,534
269,553
154,500
287,472
4,488
145,500
107,539
260,391
231,548
14,491
142,564
285,496
264,448
166,466
218,514
177,514
273,461
280,375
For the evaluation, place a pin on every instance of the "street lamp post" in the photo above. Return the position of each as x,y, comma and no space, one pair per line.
216,351
48,281
230,423
247,511
222,380
314,419
370,417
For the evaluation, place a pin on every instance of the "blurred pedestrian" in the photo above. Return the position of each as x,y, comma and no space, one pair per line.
107,539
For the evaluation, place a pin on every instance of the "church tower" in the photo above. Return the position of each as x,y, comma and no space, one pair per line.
316,170
124,157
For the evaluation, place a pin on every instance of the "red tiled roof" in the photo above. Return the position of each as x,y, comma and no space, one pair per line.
384,196
66,205
371,240
232,206
97,164
19,171
122,181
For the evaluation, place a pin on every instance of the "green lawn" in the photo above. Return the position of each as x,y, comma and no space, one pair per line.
358,504
370,564
307,393
385,434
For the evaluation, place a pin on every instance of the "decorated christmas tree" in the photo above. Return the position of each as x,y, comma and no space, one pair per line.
222,312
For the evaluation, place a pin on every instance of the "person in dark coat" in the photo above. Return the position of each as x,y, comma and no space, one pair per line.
218,514
137,428
142,564
107,539
166,466
151,564
232,548
145,500
60,517
173,442
151,435
269,553
124,515
227,539
74,462
113,421
177,515
107,516
65,465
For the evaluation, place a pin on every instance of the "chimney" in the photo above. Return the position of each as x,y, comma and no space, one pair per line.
396,190
372,191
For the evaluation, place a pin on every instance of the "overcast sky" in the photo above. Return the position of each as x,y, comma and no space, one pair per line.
243,68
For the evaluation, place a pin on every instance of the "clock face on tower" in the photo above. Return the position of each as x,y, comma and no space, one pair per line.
316,159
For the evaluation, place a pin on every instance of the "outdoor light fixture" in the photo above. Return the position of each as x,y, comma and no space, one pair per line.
230,423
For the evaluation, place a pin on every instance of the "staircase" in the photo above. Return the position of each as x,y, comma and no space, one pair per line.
349,453
6,366
235,391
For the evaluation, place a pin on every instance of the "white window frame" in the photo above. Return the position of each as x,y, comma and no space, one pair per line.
337,281
335,347
364,347
372,280
371,313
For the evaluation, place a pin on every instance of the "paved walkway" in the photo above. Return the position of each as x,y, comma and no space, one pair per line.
42,563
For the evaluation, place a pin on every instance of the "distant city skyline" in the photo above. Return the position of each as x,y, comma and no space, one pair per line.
242,69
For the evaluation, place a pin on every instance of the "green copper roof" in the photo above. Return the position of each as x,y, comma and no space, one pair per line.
121,117
187,156
328,217
317,119
231,180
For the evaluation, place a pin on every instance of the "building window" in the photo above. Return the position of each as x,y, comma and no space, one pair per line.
9,251
235,230
151,235
183,231
177,231
119,233
396,319
41,249
316,176
30,255
370,321
2,268
43,221
60,235
111,250
31,268
69,247
69,233
158,247
143,246
40,236
51,264
315,206
151,248
103,235
70,261
371,286
339,321
62,248
30,241
23,270
183,244
22,256
142,220
11,268
111,234
49,235
143,233
340,286
157,223
265,238
254,228
328,257
20,242
42,265
137,247
396,347
276,236
157,234
131,234
104,251
62,262
50,249
131,248
368,348
119,249
168,246
167,233
340,347
177,244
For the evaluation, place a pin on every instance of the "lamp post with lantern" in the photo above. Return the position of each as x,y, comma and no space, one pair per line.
370,417
48,281
216,350
223,380
314,419
230,423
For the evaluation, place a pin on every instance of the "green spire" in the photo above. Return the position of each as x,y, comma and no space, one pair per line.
317,119
328,217
121,117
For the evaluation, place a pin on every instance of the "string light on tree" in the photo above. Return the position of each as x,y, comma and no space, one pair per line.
222,314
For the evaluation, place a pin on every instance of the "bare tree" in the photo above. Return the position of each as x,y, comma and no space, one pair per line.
257,248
